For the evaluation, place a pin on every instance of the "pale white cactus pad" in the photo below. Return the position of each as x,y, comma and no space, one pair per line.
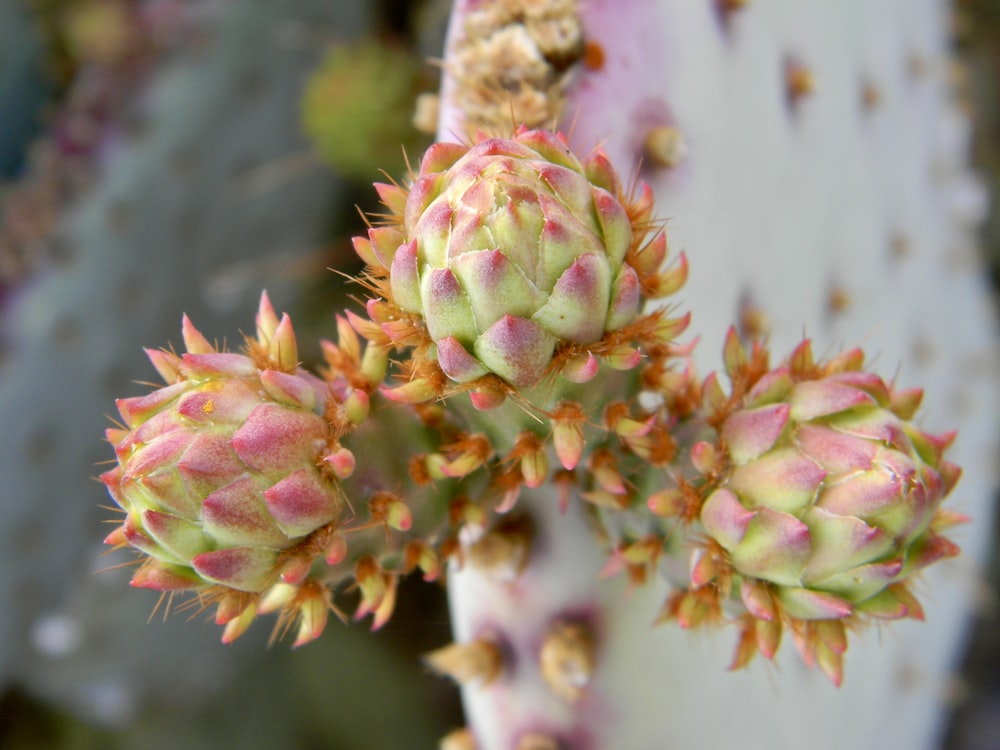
817,178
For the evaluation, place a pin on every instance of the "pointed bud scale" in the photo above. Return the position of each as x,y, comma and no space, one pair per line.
446,308
301,503
116,538
801,360
650,257
529,448
775,548
296,569
905,403
282,348
757,598
357,406
813,399
567,433
666,503
419,554
626,297
134,411
372,582
486,397
238,625
267,319
167,364
623,358
290,389
414,392
441,156
336,549
601,173
768,635
160,576
604,469
181,538
364,249
385,607
615,225
393,197
704,568
840,543
516,349
575,308
714,398
405,278
240,568
281,596
668,282
365,328
749,433
389,509
581,369
733,354
217,364
746,647
725,518
342,462
946,518
313,613
457,363
194,341
385,241
784,480
805,604
773,386
704,457
374,363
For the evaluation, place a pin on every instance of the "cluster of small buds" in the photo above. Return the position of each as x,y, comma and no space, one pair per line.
515,273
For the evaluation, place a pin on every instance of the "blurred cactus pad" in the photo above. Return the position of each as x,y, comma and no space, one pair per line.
359,104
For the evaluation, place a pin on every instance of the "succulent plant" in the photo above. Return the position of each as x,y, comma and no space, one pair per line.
802,500
509,260
822,502
228,474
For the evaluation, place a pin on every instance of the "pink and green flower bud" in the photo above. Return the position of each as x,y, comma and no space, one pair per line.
830,502
228,470
511,250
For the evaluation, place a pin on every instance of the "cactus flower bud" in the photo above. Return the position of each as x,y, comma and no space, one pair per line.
827,507
507,253
225,472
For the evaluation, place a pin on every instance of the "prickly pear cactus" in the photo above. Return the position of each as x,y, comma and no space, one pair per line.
550,431
811,162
